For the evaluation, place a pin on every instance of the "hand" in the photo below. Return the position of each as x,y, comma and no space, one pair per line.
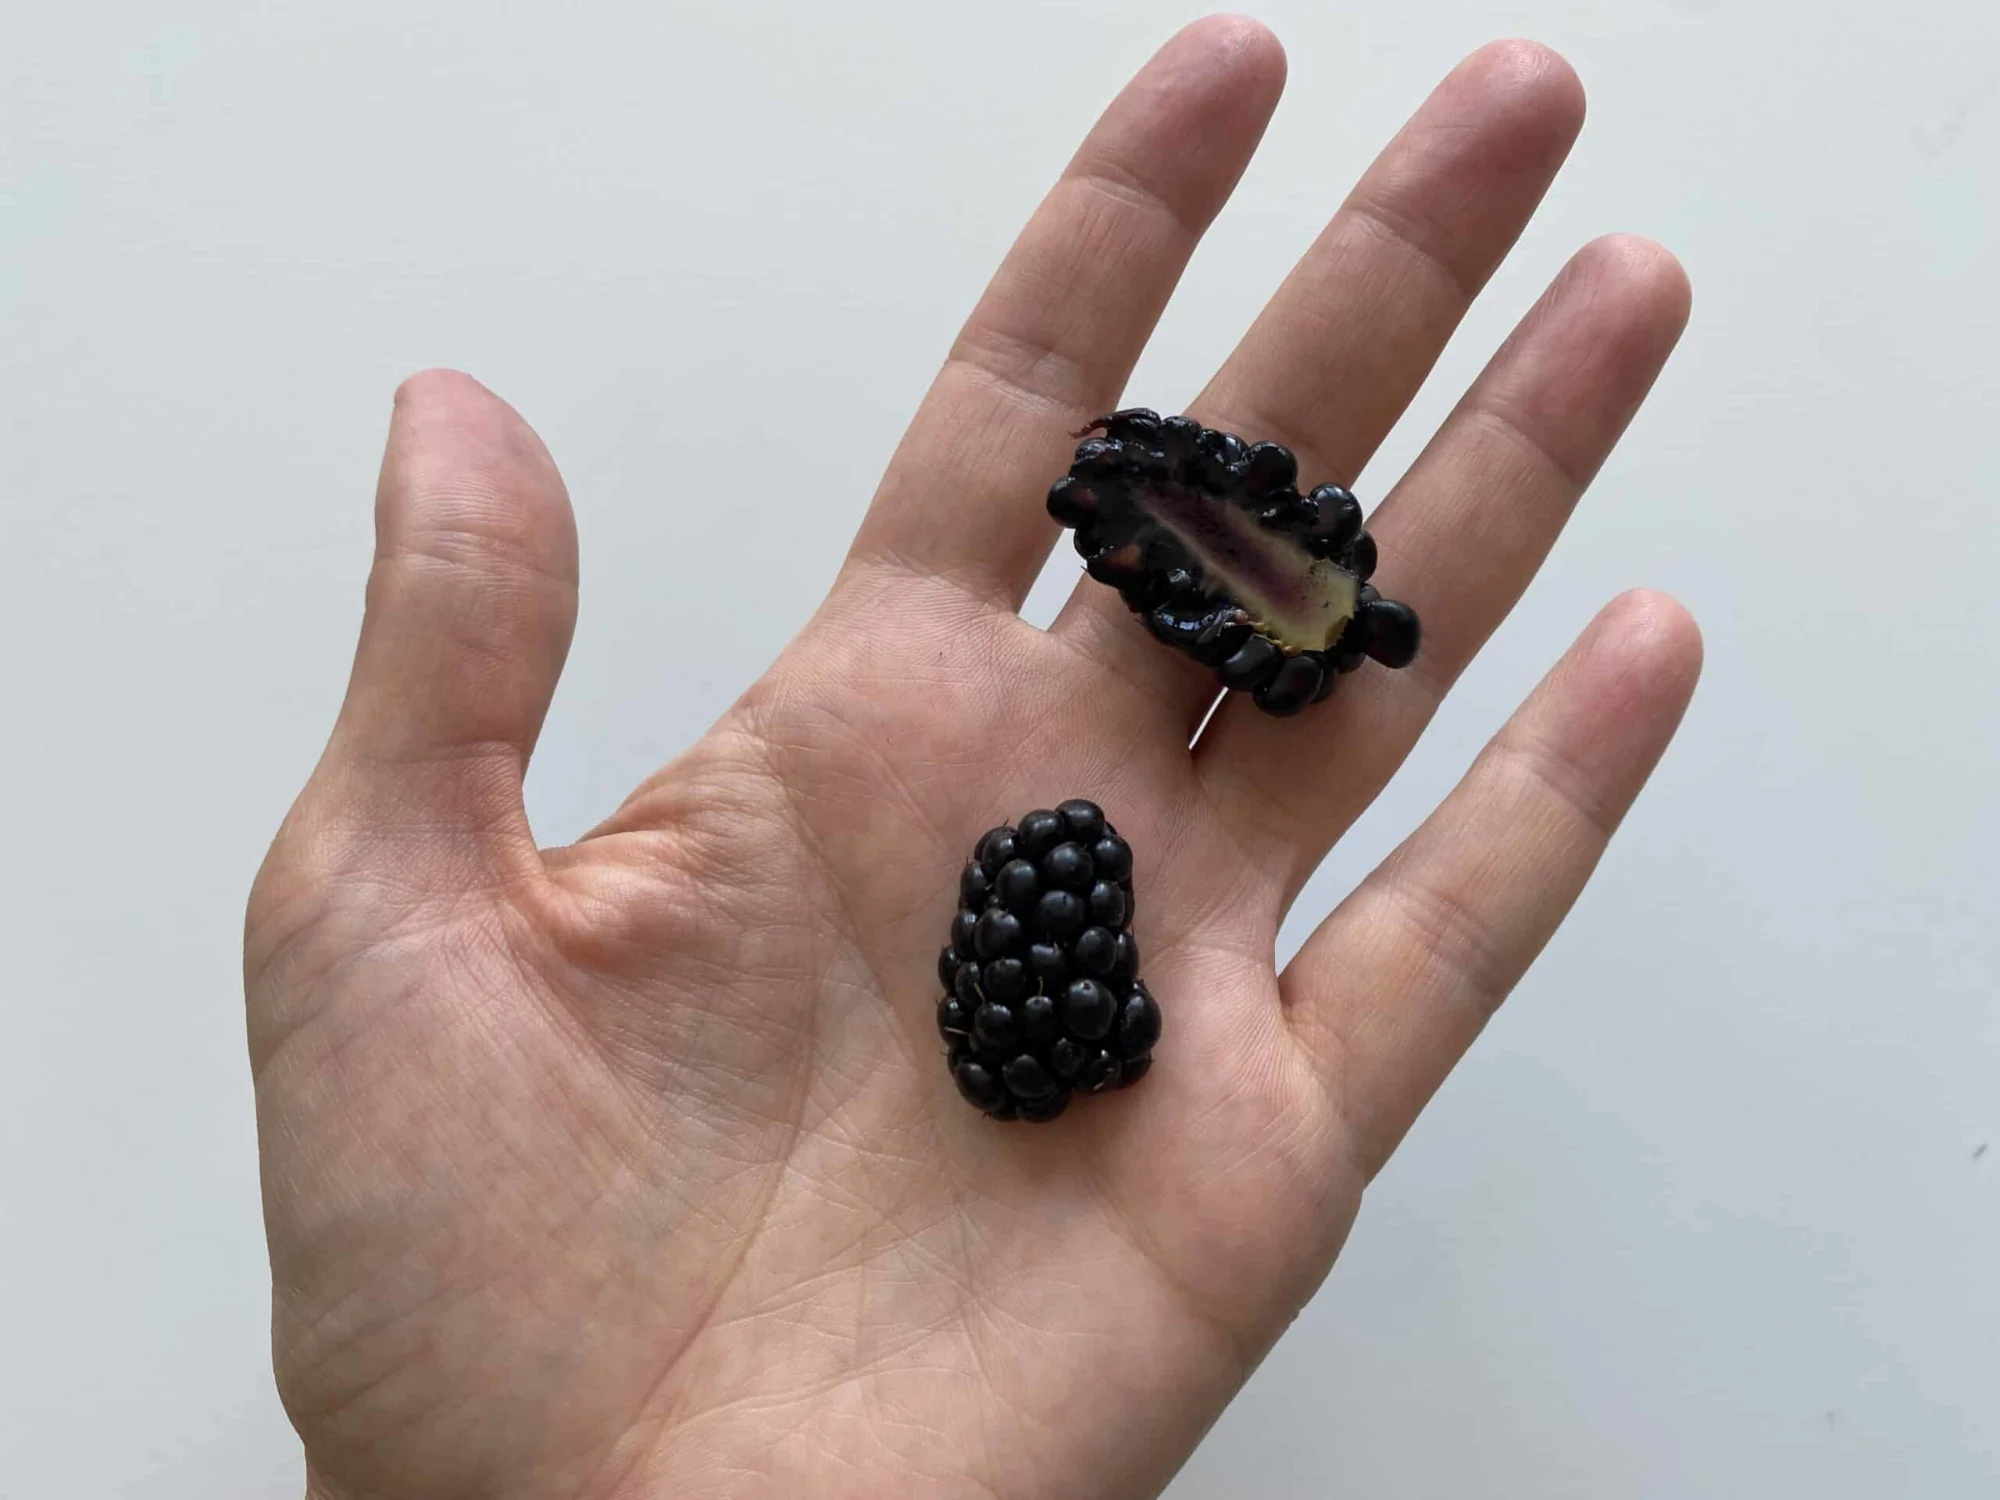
633,1168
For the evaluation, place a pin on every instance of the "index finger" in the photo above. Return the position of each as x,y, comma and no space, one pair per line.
1054,339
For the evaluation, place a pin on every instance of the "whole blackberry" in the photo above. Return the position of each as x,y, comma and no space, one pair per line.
1208,541
1043,996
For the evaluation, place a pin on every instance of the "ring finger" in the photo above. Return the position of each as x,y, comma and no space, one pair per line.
1460,538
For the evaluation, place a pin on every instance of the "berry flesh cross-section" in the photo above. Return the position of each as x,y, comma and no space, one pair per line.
1206,539
1043,996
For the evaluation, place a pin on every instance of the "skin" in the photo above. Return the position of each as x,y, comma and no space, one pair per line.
632,1169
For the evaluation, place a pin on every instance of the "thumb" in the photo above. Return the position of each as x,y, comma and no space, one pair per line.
471,603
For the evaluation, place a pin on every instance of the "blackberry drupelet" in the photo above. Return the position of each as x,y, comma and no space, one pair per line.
1206,539
1043,997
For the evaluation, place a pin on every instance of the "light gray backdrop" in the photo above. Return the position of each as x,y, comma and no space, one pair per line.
1706,1212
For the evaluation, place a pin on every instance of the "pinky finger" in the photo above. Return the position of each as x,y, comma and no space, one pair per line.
1394,986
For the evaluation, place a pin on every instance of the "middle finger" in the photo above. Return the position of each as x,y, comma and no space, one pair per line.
1339,352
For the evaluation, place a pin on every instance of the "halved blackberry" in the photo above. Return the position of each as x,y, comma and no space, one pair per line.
1208,542
1043,997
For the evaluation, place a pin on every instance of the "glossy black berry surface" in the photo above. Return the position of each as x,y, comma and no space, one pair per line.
1043,999
1208,541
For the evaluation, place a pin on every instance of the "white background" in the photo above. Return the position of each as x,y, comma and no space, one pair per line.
1703,1216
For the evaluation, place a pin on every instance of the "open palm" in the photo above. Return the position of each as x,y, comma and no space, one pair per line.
633,1168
